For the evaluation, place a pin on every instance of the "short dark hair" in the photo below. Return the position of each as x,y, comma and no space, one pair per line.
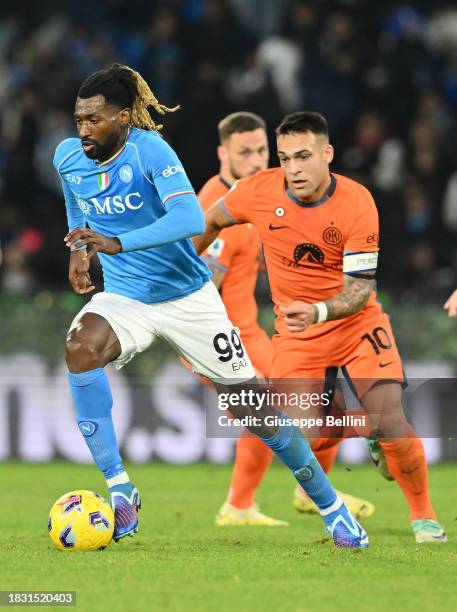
236,123
304,121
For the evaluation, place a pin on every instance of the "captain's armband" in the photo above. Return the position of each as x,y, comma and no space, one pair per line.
360,264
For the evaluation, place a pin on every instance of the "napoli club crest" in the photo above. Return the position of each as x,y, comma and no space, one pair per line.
126,173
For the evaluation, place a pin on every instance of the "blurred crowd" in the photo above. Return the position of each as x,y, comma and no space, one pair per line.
384,74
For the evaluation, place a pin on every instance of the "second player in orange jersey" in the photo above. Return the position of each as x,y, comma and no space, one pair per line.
234,259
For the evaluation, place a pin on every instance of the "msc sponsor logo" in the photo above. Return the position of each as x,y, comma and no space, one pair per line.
71,178
111,205
171,170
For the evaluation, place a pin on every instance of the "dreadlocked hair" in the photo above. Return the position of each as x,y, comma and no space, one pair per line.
122,86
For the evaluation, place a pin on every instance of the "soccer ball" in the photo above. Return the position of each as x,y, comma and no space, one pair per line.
81,520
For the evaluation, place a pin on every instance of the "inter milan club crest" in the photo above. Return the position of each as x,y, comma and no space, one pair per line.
332,235
103,180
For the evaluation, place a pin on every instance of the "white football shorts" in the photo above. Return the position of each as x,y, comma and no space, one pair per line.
196,326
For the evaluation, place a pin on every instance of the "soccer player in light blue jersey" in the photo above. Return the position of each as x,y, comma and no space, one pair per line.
129,200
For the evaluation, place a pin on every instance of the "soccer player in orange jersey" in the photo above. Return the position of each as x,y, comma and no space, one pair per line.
234,259
320,236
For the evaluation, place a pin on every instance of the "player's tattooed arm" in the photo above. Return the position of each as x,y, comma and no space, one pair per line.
216,219
353,297
356,291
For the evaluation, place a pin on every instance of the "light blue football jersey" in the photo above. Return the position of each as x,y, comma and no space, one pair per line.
127,192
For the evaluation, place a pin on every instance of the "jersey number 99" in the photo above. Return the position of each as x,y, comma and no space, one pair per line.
227,348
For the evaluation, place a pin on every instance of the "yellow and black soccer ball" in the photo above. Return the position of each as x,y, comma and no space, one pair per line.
81,520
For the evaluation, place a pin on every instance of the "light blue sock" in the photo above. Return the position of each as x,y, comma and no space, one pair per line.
93,401
291,446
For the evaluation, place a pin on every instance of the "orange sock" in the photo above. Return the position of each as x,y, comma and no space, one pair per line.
406,462
326,450
252,460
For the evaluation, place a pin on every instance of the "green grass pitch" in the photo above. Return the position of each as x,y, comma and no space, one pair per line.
181,561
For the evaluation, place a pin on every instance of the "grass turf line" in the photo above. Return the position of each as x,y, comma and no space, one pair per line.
181,561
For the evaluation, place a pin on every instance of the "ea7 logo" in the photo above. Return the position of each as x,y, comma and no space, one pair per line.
170,170
71,178
112,205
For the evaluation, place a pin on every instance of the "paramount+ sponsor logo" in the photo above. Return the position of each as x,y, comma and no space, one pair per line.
111,205
308,252
309,255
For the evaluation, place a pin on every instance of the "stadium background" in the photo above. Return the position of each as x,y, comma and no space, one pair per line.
384,75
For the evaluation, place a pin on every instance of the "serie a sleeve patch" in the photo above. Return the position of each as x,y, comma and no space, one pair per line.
359,262
215,248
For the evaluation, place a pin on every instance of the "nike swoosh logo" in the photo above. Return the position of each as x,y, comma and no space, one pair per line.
276,227
383,365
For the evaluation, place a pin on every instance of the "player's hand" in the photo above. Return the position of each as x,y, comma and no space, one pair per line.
97,243
451,305
298,316
78,273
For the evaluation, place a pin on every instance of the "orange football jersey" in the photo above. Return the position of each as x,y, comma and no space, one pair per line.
305,245
237,252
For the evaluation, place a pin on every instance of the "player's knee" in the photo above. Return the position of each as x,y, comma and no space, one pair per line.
81,352
393,424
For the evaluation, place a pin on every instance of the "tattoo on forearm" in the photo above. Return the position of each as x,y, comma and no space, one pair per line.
351,299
